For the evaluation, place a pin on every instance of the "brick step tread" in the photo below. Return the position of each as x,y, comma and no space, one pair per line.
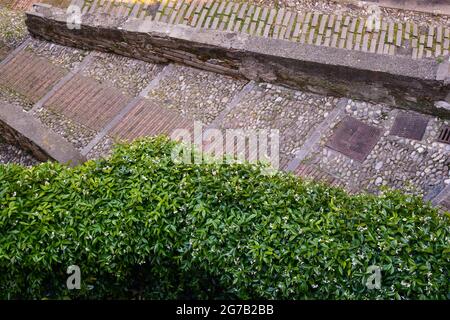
147,118
88,102
345,32
30,75
310,171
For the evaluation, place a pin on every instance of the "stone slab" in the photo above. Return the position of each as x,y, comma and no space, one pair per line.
354,138
409,125
23,129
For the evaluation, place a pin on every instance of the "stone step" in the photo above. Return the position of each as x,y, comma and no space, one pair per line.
21,128
446,204
30,75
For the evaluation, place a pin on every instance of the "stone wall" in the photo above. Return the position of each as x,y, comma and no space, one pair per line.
393,79
20,128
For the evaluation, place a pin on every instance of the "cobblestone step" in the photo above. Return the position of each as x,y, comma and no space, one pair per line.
197,94
30,75
376,35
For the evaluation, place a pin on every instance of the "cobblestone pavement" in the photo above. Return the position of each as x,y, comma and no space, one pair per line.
10,96
65,57
196,94
397,162
12,33
127,74
357,145
102,149
294,113
76,133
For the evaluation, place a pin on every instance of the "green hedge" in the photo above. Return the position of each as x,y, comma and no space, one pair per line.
141,226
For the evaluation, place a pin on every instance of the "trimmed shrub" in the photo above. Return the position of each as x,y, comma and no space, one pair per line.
141,226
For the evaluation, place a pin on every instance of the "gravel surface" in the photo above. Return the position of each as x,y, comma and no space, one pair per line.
13,154
65,57
11,97
130,75
102,149
12,27
74,132
196,94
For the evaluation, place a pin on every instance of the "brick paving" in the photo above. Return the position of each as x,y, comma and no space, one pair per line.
148,118
26,4
4,50
345,32
29,75
88,102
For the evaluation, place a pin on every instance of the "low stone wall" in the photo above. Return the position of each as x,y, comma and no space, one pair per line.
393,79
18,127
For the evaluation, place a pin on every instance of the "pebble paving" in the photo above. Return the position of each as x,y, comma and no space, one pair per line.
397,162
13,154
196,94
292,112
129,75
